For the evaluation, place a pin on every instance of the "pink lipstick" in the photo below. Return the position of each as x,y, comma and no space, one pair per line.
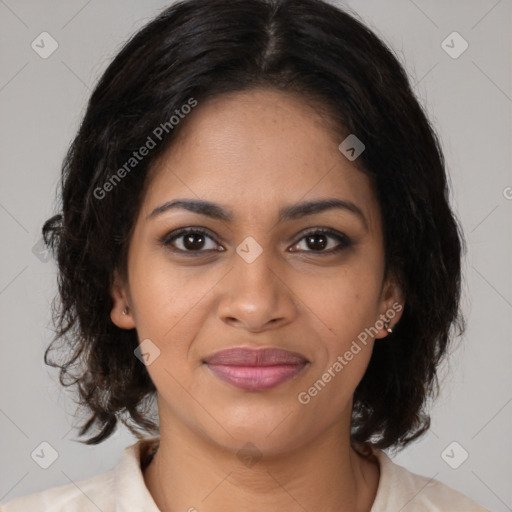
255,369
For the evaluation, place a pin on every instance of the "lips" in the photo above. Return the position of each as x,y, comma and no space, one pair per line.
255,369
242,356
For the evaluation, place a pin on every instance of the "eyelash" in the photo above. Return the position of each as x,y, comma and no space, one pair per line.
344,240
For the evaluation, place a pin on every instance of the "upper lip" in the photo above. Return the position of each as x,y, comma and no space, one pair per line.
246,356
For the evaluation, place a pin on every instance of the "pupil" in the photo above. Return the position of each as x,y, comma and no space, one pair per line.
190,244
313,240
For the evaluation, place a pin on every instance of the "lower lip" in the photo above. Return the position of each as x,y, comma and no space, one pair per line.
256,378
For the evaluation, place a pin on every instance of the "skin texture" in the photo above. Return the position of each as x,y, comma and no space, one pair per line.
254,152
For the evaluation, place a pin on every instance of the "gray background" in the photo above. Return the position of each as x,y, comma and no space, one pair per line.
469,100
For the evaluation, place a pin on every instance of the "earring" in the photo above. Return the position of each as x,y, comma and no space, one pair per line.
386,325
125,310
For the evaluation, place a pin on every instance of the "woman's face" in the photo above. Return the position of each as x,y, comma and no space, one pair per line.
259,277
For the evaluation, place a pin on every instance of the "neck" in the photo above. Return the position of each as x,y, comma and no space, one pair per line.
191,473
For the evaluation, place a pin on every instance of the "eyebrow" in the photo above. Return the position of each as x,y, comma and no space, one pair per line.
287,213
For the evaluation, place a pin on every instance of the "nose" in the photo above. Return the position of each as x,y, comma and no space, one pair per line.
257,295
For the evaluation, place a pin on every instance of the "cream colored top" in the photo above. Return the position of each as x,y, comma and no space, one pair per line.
122,489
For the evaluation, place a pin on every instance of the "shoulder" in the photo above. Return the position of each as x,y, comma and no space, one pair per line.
122,486
401,489
86,495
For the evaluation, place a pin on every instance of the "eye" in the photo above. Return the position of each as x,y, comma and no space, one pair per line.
318,239
190,240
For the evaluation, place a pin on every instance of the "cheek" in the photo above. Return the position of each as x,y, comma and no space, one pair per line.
345,300
347,304
347,313
165,298
171,307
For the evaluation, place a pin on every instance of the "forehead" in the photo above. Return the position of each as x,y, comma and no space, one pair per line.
255,150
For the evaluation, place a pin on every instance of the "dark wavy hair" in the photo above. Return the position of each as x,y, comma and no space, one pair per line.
204,48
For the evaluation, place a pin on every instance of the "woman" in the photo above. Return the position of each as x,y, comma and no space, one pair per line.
255,231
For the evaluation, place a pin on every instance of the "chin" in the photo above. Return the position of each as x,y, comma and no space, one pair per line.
266,434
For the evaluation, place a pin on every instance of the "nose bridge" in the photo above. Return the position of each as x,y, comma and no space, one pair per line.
255,265
256,294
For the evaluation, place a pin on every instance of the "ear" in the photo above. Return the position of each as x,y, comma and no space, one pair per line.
121,314
391,307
